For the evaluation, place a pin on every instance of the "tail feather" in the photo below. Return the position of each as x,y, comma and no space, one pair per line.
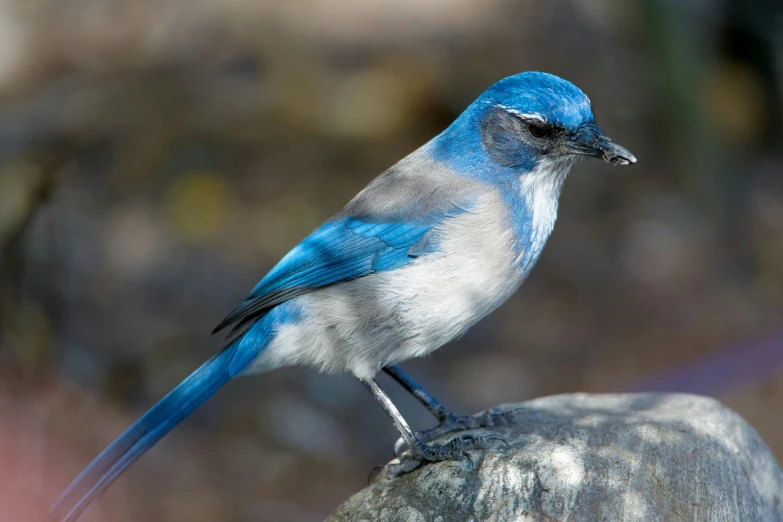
141,436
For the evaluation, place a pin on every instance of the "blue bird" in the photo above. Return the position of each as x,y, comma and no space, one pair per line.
427,249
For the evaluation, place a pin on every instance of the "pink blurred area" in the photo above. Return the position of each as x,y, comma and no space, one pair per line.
37,459
158,157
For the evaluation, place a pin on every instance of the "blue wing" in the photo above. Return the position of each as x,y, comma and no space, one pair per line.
339,250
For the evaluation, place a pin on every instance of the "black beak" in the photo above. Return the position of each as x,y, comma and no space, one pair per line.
591,141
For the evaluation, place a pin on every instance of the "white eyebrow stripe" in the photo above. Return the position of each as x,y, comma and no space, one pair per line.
525,115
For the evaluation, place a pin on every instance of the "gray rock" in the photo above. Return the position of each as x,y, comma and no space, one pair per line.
629,458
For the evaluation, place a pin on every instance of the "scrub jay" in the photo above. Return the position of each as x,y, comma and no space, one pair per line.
428,248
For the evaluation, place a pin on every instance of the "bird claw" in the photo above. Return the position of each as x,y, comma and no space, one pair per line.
497,438
456,449
469,458
487,419
395,469
399,447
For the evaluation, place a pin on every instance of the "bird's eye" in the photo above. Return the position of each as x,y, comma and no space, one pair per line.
537,130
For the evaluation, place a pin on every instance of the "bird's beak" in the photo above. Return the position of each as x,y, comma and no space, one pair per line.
590,140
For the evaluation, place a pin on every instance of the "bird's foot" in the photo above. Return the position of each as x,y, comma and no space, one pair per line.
488,419
456,449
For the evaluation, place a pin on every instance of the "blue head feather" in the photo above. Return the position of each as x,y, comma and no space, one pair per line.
486,141
555,100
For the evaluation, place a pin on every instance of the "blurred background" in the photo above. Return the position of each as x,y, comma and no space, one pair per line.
157,157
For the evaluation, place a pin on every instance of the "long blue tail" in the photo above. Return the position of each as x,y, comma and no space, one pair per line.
140,437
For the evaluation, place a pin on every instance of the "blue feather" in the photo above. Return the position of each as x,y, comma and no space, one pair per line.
168,412
141,436
553,99
339,250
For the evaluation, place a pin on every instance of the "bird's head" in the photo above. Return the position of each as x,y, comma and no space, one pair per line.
536,115
528,119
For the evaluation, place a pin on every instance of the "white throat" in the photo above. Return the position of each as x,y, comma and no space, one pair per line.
541,189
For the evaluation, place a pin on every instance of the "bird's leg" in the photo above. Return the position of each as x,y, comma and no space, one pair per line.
448,420
455,449
433,405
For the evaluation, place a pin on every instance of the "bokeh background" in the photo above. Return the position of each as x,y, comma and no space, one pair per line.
157,157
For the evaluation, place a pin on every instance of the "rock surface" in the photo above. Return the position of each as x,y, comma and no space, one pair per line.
629,458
